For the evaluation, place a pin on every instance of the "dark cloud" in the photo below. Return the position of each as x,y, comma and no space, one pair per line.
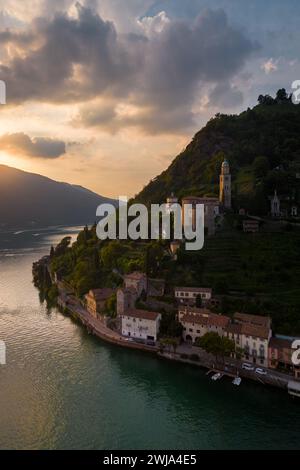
39,147
84,58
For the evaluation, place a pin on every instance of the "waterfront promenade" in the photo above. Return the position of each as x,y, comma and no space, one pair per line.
184,353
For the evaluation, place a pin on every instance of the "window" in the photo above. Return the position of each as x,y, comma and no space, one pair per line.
262,351
191,330
198,331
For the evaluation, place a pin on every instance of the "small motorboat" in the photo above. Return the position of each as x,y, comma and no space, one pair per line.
237,381
216,376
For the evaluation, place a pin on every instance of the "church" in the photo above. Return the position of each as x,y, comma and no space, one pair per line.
212,205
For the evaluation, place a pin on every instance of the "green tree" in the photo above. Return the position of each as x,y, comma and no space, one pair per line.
261,167
219,346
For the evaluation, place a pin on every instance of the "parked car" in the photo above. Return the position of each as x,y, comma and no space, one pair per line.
260,371
247,366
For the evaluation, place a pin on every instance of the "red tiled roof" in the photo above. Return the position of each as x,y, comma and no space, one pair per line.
255,331
234,328
211,320
257,320
143,314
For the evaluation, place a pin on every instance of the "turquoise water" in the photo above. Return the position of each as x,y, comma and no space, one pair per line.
64,389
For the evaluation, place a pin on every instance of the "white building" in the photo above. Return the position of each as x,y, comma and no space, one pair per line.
251,333
197,322
140,324
190,294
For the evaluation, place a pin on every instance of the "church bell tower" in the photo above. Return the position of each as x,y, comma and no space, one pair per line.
225,185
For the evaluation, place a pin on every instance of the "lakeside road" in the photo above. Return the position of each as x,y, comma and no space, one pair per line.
96,326
230,367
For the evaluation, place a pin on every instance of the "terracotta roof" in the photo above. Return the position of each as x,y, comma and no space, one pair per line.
255,331
279,343
211,320
143,314
257,320
234,328
193,289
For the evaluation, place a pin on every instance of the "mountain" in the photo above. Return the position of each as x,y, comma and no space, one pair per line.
262,145
28,199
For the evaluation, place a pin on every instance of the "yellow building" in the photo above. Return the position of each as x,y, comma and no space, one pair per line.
96,299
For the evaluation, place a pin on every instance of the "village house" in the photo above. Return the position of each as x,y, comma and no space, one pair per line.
96,299
251,334
197,322
188,295
137,280
280,355
211,210
140,324
126,298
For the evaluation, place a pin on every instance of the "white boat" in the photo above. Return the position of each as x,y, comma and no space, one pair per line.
216,376
237,381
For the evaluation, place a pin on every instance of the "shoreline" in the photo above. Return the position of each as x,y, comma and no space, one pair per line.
98,329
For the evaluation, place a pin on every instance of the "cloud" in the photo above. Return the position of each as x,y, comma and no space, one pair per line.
40,147
84,58
270,66
151,25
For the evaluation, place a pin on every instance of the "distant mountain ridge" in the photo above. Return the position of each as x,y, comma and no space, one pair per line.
29,200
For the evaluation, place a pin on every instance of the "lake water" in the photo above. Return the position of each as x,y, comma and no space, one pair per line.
64,389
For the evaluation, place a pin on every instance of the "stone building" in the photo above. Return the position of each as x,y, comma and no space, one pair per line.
96,299
211,210
126,298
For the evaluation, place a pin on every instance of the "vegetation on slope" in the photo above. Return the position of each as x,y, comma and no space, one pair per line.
262,145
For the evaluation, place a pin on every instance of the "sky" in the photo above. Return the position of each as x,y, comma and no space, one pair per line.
105,93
